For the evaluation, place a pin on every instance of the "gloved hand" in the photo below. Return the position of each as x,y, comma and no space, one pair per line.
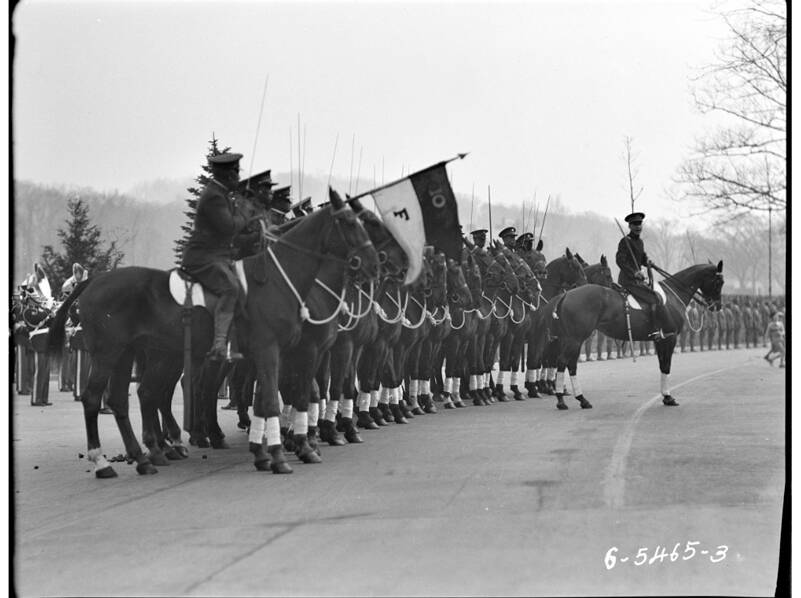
639,276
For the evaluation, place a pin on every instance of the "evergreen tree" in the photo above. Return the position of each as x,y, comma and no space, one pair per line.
202,180
82,244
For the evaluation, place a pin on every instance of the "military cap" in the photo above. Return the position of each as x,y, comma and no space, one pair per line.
281,201
635,217
225,161
262,179
479,231
526,237
509,230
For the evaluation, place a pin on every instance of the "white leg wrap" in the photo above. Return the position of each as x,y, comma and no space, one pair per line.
413,388
286,415
576,385
364,401
473,382
560,382
347,408
384,395
531,375
552,374
448,385
256,429
323,404
96,457
486,381
331,411
314,413
664,386
501,378
457,386
515,378
426,387
374,398
301,423
393,395
272,430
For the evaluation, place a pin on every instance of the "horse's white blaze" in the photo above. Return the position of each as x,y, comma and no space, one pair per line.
664,385
347,408
331,410
364,401
272,430
256,433
96,457
301,423
314,413
576,385
560,382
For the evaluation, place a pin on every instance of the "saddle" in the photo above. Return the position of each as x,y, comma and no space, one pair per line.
180,281
632,300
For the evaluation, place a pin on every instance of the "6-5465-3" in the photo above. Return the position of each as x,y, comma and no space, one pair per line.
689,550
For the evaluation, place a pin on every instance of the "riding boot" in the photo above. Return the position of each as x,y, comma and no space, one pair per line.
223,316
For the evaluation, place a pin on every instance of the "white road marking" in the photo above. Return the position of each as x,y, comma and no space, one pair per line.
614,483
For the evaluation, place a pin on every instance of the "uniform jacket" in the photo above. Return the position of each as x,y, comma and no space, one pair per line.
623,259
217,220
737,316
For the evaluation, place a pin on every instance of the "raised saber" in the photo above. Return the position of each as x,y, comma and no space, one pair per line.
544,215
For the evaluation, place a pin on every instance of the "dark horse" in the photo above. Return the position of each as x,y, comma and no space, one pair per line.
582,310
129,314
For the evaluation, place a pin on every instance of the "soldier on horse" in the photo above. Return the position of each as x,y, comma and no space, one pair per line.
630,258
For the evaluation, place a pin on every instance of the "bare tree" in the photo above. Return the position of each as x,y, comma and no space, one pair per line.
740,166
664,246
631,170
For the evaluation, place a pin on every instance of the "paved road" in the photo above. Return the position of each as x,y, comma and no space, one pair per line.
511,499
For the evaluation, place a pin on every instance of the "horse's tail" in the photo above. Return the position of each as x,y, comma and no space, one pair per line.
56,338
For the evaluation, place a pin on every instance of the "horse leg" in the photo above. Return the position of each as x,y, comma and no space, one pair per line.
265,424
118,402
150,392
516,350
216,435
306,365
339,358
664,350
572,366
504,367
171,431
90,397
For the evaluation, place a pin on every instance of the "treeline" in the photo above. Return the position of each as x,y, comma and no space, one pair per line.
145,226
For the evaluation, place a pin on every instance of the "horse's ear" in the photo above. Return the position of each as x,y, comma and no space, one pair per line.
539,245
356,205
603,261
710,261
720,266
568,254
335,199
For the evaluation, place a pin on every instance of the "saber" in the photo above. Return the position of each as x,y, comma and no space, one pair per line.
544,216
489,205
258,127
626,238
626,303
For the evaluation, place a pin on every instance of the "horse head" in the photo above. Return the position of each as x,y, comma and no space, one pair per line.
351,240
458,290
565,272
711,285
509,281
391,256
599,273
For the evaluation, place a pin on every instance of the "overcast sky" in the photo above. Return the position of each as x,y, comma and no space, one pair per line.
541,93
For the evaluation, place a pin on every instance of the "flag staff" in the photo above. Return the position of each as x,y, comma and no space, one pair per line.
472,201
489,204
371,191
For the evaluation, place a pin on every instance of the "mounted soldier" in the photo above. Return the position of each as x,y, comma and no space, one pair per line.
280,206
533,257
630,258
479,237
508,236
209,252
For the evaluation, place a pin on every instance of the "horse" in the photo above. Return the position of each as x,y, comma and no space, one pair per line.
562,273
129,314
574,316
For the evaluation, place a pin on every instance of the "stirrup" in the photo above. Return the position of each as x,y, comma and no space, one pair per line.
657,334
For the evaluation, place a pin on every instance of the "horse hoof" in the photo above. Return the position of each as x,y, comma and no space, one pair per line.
158,459
449,405
172,454
459,405
309,456
263,465
202,442
417,411
182,451
105,473
220,444
146,468
280,467
669,401
561,406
